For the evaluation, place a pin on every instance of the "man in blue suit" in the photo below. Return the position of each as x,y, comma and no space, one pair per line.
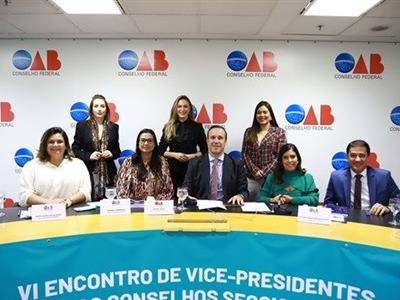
360,186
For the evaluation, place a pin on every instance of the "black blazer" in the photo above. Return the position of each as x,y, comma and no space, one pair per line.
234,180
83,146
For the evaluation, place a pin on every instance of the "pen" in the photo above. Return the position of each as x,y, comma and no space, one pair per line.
19,213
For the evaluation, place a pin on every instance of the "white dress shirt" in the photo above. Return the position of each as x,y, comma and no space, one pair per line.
49,181
364,189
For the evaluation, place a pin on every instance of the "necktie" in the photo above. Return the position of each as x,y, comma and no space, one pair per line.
357,192
214,181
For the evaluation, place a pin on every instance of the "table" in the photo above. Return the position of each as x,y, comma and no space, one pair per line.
87,256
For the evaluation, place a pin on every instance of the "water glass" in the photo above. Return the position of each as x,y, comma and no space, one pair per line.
2,199
182,193
394,206
111,193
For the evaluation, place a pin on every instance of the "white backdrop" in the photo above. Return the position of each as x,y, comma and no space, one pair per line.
32,101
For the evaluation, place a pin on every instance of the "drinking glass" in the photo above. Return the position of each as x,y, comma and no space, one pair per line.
2,198
182,193
111,192
394,206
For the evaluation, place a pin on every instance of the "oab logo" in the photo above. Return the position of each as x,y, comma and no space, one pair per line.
50,66
6,115
124,155
339,160
236,154
350,68
213,115
22,156
129,61
79,111
395,118
262,66
295,114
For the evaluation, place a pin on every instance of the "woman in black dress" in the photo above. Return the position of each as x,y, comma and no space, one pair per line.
96,142
183,139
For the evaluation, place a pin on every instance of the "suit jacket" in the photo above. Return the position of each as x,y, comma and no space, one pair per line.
381,187
83,146
234,180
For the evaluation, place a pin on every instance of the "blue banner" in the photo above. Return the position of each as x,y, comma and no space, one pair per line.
156,265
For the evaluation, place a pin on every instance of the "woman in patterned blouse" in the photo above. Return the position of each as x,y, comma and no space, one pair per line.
261,144
146,173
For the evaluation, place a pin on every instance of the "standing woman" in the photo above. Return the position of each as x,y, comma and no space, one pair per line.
96,142
261,144
55,176
146,173
183,137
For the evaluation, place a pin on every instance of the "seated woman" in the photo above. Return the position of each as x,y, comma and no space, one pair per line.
55,176
289,182
145,173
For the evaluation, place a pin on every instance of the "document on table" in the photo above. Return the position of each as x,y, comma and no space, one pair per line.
255,207
209,204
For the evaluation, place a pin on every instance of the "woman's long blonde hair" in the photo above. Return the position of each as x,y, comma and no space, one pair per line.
170,127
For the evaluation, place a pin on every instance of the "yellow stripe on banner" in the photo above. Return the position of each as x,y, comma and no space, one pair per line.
372,235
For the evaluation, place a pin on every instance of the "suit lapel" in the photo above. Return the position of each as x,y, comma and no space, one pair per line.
371,185
227,171
205,172
347,186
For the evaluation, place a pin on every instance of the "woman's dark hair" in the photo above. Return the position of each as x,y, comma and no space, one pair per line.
101,97
155,161
42,153
280,169
255,127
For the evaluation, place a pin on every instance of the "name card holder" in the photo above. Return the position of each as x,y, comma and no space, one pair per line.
159,207
109,207
47,212
317,215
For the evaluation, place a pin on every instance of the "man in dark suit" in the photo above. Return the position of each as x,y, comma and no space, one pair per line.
216,175
360,186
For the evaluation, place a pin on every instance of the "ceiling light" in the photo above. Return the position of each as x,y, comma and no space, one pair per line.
89,6
338,8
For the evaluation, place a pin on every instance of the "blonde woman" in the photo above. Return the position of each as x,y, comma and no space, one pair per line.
183,139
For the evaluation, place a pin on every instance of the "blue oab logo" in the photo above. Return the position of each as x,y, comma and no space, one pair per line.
236,154
395,115
194,112
339,161
22,60
349,68
124,155
79,111
395,118
238,61
22,156
296,114
129,60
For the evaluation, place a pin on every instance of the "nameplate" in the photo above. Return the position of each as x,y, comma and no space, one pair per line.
109,207
312,214
47,212
159,207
